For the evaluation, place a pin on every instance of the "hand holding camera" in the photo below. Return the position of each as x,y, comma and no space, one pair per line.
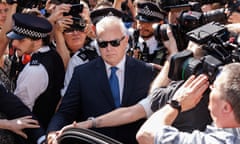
170,44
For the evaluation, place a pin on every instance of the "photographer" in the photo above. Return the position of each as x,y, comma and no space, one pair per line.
71,41
223,105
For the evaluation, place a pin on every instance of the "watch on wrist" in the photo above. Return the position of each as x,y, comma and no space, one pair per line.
175,104
94,123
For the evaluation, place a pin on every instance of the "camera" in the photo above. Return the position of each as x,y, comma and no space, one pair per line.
160,33
206,32
183,65
187,21
219,51
76,8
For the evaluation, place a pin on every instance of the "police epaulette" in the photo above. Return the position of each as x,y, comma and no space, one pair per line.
82,54
34,62
35,59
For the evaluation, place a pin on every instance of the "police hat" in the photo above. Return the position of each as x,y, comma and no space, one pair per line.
149,12
98,14
30,26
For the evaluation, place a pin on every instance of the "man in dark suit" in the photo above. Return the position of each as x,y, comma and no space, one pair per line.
89,93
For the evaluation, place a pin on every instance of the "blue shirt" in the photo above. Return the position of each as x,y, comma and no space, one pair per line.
212,135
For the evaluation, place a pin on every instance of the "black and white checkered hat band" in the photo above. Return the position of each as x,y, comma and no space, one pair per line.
147,12
29,33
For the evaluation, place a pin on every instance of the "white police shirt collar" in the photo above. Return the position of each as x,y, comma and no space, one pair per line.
152,44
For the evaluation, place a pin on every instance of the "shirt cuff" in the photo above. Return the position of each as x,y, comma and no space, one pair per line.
146,104
41,139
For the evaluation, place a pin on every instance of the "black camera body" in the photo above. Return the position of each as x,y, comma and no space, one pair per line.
204,33
183,65
76,9
160,33
214,39
187,21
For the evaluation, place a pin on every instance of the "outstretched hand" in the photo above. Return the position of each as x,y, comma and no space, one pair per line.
191,92
83,124
17,125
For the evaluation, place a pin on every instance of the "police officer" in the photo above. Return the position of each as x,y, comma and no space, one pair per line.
71,35
39,82
146,47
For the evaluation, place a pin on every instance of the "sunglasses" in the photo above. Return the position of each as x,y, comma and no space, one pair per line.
114,43
71,30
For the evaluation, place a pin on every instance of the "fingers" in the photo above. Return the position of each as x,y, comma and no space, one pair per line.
189,81
74,124
196,82
51,138
199,81
201,90
191,92
21,133
63,8
27,122
64,23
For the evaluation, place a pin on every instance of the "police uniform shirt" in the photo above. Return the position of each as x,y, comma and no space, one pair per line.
152,44
74,61
32,81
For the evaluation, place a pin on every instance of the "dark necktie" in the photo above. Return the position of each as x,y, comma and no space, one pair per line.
145,52
114,84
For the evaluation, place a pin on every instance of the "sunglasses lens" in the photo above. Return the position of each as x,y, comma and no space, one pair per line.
68,30
115,43
102,44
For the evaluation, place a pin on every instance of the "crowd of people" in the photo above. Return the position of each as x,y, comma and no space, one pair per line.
104,65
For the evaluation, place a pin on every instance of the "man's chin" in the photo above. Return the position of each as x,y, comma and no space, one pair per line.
19,53
146,36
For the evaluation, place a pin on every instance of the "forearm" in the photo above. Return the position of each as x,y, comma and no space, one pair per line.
164,116
62,48
4,124
132,9
117,117
117,4
121,116
162,79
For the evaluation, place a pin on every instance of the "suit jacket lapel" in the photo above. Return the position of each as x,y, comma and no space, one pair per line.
130,74
102,80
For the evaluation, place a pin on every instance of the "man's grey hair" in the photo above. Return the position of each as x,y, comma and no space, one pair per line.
110,21
231,87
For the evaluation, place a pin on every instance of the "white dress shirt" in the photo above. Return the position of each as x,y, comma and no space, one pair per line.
120,74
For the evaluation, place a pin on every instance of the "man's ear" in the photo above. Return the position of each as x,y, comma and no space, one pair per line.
227,107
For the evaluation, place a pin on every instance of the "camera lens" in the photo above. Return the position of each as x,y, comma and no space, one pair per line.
160,32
